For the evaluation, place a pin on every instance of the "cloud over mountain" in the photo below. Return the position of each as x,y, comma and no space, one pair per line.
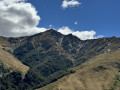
18,18
83,35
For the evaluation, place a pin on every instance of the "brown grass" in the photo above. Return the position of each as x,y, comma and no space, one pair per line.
89,76
12,63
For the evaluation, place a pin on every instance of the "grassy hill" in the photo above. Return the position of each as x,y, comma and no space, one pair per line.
99,73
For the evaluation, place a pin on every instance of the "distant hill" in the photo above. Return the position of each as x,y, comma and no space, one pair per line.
51,55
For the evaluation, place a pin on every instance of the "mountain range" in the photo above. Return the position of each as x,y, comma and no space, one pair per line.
53,61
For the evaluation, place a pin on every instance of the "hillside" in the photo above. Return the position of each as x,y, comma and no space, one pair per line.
50,56
8,61
11,64
99,73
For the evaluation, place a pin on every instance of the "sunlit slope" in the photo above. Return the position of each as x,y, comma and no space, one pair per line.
11,63
96,74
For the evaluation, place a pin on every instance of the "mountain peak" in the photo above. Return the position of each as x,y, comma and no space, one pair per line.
53,32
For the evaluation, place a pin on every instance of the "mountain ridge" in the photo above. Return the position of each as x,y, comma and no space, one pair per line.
51,55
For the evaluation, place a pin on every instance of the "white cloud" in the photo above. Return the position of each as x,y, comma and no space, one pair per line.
76,23
12,1
100,36
18,18
50,26
83,35
70,3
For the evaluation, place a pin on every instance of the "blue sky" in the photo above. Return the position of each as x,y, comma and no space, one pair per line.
86,19
102,16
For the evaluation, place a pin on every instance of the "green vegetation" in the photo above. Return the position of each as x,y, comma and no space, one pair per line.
11,81
32,80
3,71
116,83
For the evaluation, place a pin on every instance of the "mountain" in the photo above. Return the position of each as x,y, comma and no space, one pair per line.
99,73
50,56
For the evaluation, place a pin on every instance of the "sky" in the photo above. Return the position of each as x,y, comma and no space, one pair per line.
86,19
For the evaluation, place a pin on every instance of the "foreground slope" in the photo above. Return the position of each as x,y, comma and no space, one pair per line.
99,73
